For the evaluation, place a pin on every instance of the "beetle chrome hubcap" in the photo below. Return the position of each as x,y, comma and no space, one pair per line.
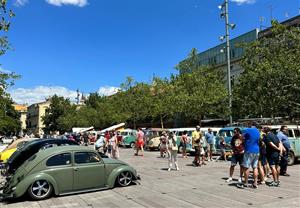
125,178
40,188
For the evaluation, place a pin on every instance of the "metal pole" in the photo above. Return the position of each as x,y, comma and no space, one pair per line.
228,62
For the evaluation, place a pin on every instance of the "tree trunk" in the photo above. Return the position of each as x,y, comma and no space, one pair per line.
134,124
161,122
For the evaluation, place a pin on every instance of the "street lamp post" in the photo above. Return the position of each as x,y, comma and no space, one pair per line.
224,14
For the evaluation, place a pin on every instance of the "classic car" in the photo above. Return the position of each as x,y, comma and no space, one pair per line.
30,148
67,170
10,149
128,137
294,139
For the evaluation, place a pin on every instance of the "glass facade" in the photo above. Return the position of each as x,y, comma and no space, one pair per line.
217,55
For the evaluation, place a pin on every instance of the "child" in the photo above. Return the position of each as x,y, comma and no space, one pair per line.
223,146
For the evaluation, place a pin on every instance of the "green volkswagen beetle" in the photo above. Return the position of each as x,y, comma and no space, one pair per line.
67,170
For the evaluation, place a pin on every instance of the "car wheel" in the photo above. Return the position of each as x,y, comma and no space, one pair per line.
132,145
180,149
291,158
40,189
125,178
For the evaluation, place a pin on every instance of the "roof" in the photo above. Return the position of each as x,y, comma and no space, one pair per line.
60,149
231,128
20,107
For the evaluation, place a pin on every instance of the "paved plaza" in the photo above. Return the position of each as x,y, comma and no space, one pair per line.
190,187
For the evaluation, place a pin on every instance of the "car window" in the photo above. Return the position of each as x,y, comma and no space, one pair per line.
297,132
48,146
86,157
21,144
61,159
290,133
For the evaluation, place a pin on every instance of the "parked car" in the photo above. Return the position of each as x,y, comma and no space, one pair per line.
10,149
153,138
67,170
227,133
128,137
29,149
294,138
154,143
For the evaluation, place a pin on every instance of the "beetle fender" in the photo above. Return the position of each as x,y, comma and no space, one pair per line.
114,174
23,186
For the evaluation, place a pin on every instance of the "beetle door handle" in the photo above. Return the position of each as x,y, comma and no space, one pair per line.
76,169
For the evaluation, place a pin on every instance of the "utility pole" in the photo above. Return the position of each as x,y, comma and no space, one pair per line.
224,14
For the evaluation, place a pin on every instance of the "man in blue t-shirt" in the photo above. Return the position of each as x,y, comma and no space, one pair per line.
210,139
282,136
251,155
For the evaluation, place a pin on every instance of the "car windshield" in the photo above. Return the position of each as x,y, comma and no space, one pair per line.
226,133
124,133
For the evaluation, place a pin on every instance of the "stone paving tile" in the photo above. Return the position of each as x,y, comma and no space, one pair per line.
189,187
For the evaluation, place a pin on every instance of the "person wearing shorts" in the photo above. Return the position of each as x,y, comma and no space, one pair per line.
251,155
237,146
140,142
196,136
210,139
274,150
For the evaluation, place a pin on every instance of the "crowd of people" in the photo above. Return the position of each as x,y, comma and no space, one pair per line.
261,150
254,147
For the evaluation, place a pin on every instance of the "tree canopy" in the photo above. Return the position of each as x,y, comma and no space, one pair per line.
269,85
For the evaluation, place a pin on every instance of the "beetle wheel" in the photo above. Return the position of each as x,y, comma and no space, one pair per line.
125,178
40,189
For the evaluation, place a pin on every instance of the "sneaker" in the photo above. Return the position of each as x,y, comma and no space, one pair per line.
177,169
169,169
274,184
240,185
240,180
229,179
254,186
262,182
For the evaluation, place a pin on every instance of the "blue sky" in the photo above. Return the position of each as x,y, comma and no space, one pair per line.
93,45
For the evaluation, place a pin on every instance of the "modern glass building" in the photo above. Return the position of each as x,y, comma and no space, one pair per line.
216,56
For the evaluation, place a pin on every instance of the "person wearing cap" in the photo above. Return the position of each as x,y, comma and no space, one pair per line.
173,149
100,144
196,137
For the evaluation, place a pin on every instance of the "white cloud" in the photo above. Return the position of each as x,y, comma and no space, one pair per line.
20,3
80,3
107,90
239,2
40,93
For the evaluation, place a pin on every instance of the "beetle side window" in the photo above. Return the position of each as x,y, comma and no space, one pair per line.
46,146
61,159
86,157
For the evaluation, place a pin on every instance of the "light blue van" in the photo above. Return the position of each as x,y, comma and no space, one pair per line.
227,133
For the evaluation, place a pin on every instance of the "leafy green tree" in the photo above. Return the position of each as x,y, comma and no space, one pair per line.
269,85
9,118
59,109
190,63
163,100
202,93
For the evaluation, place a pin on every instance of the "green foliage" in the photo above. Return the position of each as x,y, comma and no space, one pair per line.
269,85
203,93
57,114
9,118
